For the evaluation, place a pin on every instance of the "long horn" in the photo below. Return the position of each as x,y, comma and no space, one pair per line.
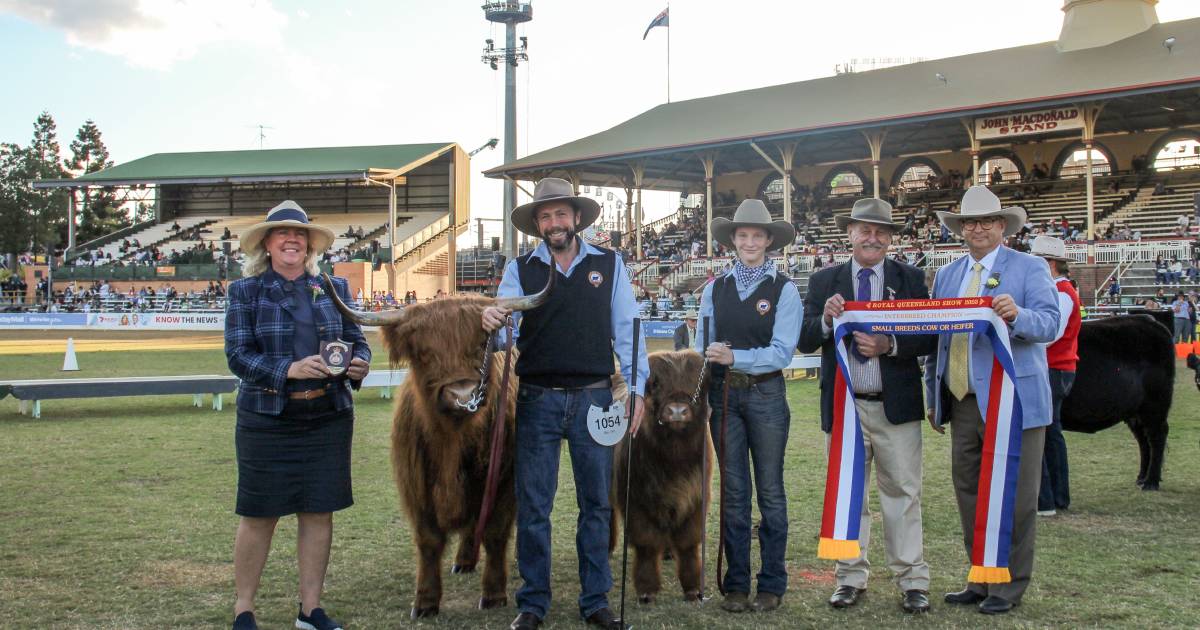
363,318
529,302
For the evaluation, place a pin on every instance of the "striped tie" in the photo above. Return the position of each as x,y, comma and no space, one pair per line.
957,370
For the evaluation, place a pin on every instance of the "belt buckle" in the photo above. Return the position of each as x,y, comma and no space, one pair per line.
738,380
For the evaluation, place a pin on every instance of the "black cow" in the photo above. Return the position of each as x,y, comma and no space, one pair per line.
1126,373
1193,362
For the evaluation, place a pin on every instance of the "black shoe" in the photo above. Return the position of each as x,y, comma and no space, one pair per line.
765,602
965,596
845,596
736,602
245,621
995,605
526,621
605,618
915,601
316,620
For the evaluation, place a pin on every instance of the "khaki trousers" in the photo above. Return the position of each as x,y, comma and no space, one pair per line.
896,451
966,453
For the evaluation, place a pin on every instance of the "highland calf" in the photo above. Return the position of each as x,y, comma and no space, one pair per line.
671,476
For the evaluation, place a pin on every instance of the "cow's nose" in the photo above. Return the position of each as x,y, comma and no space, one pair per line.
458,391
677,411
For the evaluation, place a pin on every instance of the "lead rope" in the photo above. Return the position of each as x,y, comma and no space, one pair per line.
499,414
472,404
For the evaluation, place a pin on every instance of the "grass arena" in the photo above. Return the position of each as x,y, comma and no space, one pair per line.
119,514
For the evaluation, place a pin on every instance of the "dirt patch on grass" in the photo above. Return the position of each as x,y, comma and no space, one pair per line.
184,574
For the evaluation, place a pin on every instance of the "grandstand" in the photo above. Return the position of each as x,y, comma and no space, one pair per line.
392,203
1119,159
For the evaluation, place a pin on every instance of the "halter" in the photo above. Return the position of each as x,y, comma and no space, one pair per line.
479,394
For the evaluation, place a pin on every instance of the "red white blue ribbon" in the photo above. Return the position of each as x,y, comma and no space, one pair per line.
845,484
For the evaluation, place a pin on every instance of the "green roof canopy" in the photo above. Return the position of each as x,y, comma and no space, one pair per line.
929,96
264,165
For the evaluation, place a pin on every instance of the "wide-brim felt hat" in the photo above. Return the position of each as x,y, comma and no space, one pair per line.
286,214
1050,247
753,213
553,189
870,210
980,203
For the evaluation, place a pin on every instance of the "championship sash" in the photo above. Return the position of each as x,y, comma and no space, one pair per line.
845,485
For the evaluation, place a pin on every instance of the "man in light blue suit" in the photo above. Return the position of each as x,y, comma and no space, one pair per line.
956,383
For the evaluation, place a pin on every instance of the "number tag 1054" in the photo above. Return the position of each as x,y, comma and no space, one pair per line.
607,426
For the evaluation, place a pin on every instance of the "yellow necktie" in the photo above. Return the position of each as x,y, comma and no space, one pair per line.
956,372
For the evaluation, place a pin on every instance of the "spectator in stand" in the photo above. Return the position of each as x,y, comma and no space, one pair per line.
1176,274
997,176
1114,291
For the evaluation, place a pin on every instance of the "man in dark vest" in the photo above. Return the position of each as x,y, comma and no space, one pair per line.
755,313
886,379
565,365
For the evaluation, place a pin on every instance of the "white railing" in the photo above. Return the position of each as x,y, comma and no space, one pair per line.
426,233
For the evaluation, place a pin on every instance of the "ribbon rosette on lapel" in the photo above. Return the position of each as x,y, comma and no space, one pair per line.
993,281
317,291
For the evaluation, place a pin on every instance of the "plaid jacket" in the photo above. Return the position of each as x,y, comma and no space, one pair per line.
258,341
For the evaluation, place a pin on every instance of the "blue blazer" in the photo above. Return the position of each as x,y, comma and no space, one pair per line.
1027,279
258,341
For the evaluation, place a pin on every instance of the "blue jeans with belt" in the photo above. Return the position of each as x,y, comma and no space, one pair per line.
545,417
757,428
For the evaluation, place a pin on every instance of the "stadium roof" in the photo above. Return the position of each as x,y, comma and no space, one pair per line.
263,165
670,135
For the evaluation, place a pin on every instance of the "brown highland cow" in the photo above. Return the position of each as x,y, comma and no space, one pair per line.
440,449
671,476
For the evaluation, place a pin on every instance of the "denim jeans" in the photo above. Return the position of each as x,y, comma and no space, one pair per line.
757,428
1055,492
544,418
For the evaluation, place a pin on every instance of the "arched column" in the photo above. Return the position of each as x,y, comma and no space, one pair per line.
709,160
875,142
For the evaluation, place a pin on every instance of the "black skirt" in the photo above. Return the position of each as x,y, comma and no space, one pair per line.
298,461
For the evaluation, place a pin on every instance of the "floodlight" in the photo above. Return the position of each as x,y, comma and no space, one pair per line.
1169,43
941,77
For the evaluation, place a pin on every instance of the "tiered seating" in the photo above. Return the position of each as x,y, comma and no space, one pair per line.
147,237
1156,215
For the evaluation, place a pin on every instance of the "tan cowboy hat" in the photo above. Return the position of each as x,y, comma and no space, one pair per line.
691,314
553,189
874,211
753,213
980,203
287,214
1050,247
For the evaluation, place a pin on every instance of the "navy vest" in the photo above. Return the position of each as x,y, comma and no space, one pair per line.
748,323
567,342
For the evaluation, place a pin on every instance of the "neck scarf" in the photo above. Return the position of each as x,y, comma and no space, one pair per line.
747,276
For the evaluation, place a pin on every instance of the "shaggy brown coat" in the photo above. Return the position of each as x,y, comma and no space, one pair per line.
672,474
440,453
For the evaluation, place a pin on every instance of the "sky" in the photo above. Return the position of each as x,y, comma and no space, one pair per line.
198,75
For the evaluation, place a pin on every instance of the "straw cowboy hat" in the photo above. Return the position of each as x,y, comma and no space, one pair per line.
1049,247
753,213
981,203
691,314
553,189
873,211
287,214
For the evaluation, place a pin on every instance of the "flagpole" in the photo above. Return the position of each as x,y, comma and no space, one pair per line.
668,52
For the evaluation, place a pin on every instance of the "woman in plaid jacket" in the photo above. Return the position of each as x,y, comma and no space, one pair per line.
295,416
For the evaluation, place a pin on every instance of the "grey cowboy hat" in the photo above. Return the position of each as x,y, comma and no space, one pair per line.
1050,247
873,211
286,214
980,203
553,189
753,213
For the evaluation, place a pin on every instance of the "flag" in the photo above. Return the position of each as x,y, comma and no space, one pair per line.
663,19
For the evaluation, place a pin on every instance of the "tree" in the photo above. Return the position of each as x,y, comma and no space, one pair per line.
47,208
15,197
99,211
